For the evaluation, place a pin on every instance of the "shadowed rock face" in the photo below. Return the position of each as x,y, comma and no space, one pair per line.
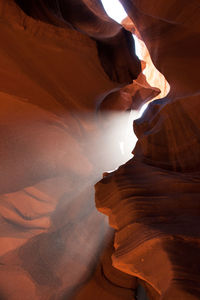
171,33
52,152
153,200
62,64
115,45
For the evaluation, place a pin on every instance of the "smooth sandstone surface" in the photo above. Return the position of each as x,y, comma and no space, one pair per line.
153,200
64,70
51,235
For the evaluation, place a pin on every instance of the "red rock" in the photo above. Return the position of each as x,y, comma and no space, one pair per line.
51,235
152,200
62,67
157,226
114,44
171,34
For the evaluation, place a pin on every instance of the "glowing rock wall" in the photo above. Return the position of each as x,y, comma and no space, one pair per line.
52,152
153,200
63,70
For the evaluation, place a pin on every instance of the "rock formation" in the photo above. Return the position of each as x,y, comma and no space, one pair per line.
53,151
65,68
153,200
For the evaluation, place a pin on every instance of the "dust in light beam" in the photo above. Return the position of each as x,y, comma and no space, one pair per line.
115,10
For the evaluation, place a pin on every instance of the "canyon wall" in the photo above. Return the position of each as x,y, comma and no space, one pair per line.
69,79
153,200
53,149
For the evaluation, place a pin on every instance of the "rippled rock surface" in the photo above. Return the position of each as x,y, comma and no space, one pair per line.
153,200
52,152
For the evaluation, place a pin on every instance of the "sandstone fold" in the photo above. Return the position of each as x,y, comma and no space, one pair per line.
155,213
171,33
152,201
51,236
115,45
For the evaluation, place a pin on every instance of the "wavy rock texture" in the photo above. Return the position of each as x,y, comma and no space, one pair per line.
169,134
52,152
150,76
153,200
131,97
157,238
114,44
170,31
60,63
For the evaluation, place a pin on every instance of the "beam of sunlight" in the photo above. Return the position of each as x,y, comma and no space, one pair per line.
114,9
143,108
124,123
117,137
121,145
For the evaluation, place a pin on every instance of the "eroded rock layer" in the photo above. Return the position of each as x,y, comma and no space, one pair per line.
153,200
62,64
156,215
114,44
52,153
170,31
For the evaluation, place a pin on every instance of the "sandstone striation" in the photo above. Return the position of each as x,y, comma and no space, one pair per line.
52,79
65,68
152,201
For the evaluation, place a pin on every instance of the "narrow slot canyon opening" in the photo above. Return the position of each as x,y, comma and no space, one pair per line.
75,92
150,79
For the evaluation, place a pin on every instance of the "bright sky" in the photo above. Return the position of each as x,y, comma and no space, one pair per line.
114,9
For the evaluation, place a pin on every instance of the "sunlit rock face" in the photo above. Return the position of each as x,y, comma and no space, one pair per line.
170,31
150,75
53,150
65,66
153,200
